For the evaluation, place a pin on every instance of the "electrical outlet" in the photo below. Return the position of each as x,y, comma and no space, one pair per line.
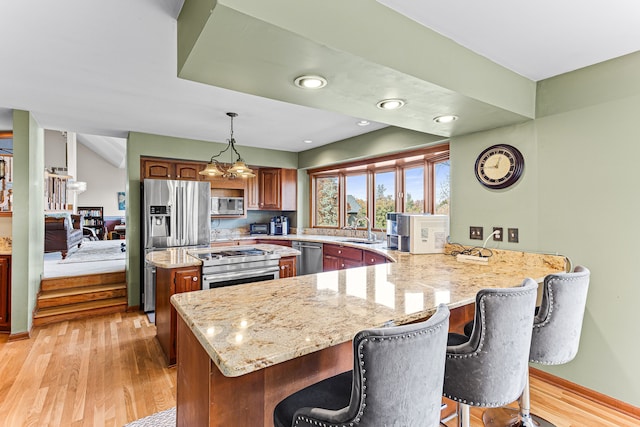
513,235
498,237
475,233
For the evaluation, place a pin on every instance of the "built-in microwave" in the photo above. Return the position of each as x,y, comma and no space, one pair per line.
227,206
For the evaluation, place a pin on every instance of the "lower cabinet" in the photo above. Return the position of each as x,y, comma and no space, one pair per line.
338,257
5,293
287,267
171,281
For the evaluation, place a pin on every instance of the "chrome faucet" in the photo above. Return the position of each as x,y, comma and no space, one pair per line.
370,236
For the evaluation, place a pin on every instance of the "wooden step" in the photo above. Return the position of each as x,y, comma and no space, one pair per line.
67,296
55,283
45,316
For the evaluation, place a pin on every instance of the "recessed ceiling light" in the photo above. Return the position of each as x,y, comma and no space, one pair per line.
445,119
363,123
307,141
390,104
310,82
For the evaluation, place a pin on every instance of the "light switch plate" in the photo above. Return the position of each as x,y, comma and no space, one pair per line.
512,234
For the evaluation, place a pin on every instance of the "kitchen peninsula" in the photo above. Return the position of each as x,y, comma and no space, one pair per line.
241,349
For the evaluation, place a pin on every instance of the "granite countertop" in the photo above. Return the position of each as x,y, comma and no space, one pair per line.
5,245
252,326
181,257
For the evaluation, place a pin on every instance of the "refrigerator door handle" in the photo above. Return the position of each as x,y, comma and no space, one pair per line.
179,214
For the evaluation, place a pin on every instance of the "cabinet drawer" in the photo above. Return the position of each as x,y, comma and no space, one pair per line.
343,252
372,258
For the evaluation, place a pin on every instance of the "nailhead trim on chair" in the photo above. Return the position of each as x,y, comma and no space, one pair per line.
363,403
548,318
476,353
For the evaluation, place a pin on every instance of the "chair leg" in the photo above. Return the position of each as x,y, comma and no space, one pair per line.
463,415
526,418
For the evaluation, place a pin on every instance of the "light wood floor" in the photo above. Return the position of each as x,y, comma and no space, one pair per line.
109,370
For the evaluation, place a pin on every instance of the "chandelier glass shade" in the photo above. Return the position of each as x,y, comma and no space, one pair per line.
236,168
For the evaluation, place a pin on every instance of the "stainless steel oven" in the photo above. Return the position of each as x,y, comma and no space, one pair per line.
236,266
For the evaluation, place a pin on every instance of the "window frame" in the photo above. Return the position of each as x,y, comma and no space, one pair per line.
426,157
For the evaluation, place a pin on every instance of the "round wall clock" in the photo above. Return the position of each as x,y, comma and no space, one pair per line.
499,166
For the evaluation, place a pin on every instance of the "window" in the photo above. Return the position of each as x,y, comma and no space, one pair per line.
326,201
414,190
356,203
442,192
413,182
385,200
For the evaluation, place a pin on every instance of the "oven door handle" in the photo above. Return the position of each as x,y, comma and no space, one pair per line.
220,277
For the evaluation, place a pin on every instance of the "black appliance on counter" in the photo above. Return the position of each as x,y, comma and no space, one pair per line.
279,226
258,228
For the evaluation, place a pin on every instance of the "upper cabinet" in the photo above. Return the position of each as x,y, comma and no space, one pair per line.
272,189
157,169
189,171
277,189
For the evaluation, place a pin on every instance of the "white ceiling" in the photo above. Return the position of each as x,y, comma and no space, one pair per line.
107,68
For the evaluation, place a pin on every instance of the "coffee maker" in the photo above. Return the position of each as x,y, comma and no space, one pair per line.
279,226
397,231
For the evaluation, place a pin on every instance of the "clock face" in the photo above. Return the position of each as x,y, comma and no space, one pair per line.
499,166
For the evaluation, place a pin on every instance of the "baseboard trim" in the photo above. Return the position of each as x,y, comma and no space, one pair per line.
603,399
19,336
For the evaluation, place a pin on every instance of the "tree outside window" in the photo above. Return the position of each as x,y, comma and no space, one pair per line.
385,201
327,201
442,188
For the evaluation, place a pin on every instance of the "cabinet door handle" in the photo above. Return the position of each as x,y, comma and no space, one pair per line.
195,278
339,252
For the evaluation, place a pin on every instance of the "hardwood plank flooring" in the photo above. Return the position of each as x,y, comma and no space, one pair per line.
109,370
102,371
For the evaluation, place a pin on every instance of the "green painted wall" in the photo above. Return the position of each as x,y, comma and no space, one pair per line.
578,197
27,220
140,144
384,141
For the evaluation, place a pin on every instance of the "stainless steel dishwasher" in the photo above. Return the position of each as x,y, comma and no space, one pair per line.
310,259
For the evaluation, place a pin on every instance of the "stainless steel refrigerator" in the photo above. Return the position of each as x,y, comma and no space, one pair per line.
174,214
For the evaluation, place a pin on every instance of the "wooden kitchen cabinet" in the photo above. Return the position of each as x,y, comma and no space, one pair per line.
372,258
189,171
170,281
287,267
5,293
252,193
157,169
277,189
338,257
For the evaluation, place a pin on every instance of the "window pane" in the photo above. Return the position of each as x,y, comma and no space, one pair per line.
442,193
385,197
356,199
327,201
414,190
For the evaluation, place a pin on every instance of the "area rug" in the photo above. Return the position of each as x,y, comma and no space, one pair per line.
161,419
92,251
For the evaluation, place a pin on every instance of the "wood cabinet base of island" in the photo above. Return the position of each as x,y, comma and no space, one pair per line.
205,397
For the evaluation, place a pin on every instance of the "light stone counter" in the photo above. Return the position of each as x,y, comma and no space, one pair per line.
5,245
253,326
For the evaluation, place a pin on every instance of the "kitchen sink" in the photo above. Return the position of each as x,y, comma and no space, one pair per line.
362,241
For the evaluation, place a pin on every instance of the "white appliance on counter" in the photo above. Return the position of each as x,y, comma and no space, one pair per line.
175,214
428,233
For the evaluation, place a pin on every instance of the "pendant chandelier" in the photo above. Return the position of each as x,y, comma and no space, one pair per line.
237,168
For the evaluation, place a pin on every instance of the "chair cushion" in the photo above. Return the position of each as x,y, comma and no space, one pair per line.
333,393
456,339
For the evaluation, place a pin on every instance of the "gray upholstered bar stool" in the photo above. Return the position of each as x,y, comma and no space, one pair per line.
556,337
489,368
396,381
